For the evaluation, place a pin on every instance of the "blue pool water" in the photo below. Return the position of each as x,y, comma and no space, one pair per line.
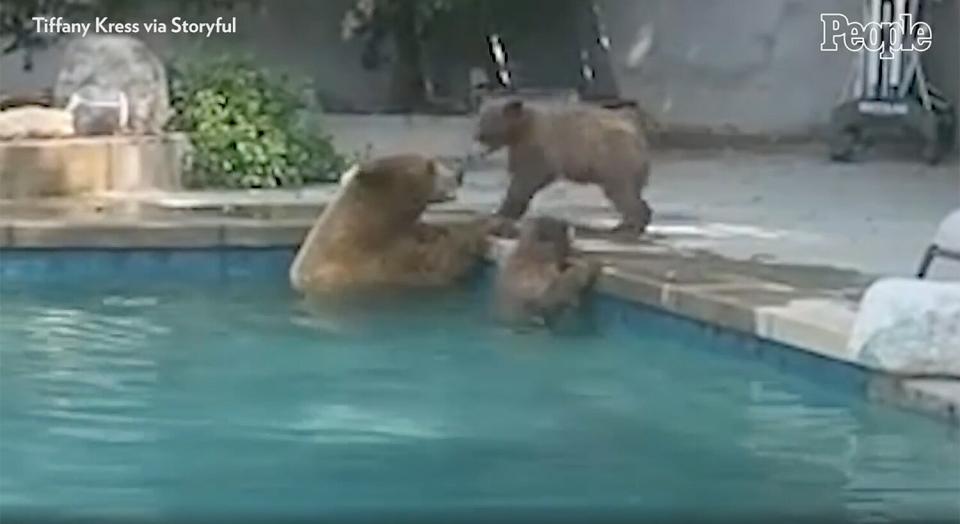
224,396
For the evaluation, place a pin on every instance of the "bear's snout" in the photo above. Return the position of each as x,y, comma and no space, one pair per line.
480,149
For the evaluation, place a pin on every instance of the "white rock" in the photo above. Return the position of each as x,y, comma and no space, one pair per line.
35,122
909,326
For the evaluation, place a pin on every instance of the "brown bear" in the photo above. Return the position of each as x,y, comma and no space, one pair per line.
581,144
537,285
371,234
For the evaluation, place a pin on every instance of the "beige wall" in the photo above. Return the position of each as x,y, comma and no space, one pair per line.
749,65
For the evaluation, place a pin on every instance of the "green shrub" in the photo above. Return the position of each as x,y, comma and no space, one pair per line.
246,127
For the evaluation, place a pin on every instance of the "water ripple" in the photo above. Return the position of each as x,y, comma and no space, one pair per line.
152,401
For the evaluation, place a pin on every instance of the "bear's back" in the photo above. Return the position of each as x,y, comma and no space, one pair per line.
581,140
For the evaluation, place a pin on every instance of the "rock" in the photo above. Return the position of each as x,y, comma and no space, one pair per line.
35,122
909,327
118,63
99,110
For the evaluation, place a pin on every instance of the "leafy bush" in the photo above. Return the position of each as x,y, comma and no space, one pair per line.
246,129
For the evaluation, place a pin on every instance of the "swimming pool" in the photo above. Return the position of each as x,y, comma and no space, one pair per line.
191,384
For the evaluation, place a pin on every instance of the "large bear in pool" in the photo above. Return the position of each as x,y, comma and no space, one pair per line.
371,235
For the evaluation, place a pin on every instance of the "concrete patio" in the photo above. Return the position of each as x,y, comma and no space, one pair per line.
791,208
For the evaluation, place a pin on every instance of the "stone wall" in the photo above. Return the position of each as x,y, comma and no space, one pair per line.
90,165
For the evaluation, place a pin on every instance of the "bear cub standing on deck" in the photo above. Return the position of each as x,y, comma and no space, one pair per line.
371,235
582,144
536,285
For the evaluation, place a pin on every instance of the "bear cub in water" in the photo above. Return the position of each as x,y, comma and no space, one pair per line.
581,144
536,285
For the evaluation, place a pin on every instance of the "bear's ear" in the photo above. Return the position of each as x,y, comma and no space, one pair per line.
513,109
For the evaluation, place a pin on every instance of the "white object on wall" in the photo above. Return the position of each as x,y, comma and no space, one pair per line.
35,122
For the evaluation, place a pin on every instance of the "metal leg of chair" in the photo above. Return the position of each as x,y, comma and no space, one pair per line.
928,257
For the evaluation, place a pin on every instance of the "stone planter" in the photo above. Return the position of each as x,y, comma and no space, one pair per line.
90,165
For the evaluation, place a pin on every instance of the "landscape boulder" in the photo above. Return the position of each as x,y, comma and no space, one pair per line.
103,64
909,327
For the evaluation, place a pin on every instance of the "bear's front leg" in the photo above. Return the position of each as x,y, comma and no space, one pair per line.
625,195
451,253
565,292
424,233
502,227
521,190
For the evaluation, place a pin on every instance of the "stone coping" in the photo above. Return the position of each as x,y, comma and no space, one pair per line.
95,140
783,305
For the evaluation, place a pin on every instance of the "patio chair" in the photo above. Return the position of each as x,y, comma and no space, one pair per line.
891,93
946,243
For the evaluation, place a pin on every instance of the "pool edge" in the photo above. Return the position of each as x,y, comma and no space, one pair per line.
807,330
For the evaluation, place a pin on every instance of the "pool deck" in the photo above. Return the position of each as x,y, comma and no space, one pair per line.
779,246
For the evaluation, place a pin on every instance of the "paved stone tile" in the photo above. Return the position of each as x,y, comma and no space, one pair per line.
940,398
631,287
274,233
714,309
56,234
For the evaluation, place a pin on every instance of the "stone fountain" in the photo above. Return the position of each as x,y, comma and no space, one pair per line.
103,131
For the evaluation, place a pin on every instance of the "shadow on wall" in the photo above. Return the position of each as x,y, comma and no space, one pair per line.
694,63
298,36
